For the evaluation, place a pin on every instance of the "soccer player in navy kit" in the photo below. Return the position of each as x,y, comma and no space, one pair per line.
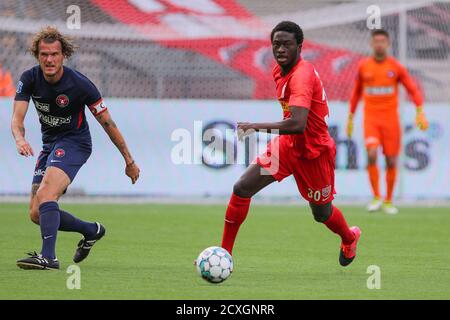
60,95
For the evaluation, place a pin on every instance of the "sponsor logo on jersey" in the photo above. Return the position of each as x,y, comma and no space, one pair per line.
19,87
53,121
62,101
379,91
284,106
45,107
39,172
59,153
390,74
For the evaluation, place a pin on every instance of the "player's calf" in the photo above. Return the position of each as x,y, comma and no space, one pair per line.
235,215
34,215
34,206
332,217
248,185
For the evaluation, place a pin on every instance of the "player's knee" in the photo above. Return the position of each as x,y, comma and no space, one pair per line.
41,194
390,165
372,159
391,162
44,194
242,189
320,216
34,215
321,213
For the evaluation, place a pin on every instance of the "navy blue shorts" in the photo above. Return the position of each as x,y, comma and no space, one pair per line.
66,154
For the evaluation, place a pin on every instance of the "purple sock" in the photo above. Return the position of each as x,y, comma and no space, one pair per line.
71,223
49,222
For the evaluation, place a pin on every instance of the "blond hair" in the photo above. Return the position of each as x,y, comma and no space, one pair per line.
50,35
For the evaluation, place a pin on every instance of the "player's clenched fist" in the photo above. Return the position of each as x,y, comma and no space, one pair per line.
132,171
350,125
421,120
24,148
244,129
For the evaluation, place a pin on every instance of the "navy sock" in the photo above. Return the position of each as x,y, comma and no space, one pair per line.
71,223
49,222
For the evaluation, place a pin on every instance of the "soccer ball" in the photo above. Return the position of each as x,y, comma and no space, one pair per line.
214,264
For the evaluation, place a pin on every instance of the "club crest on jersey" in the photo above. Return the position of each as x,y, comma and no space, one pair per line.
326,192
390,74
59,153
62,101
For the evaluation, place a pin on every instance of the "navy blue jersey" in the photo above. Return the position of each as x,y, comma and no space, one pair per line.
60,106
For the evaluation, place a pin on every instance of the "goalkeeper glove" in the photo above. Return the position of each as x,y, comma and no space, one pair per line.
350,125
421,120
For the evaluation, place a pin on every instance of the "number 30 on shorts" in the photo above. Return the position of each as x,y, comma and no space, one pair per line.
320,195
315,195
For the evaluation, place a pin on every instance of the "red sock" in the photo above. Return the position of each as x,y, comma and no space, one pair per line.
336,223
391,174
236,213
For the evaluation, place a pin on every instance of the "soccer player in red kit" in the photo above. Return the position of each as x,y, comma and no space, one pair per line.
303,148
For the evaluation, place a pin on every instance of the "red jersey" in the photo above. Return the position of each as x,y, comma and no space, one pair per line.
302,87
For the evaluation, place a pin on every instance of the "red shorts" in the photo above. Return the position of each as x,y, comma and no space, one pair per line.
314,177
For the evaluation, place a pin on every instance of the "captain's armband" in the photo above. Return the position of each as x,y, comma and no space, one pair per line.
98,108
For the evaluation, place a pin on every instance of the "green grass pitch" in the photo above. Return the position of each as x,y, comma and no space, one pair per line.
281,253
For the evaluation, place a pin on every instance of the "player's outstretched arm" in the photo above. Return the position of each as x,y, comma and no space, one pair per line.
18,128
293,125
354,99
110,127
416,96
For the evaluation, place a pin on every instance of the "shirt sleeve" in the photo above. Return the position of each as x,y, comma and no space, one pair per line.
24,87
356,92
301,86
94,100
410,85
